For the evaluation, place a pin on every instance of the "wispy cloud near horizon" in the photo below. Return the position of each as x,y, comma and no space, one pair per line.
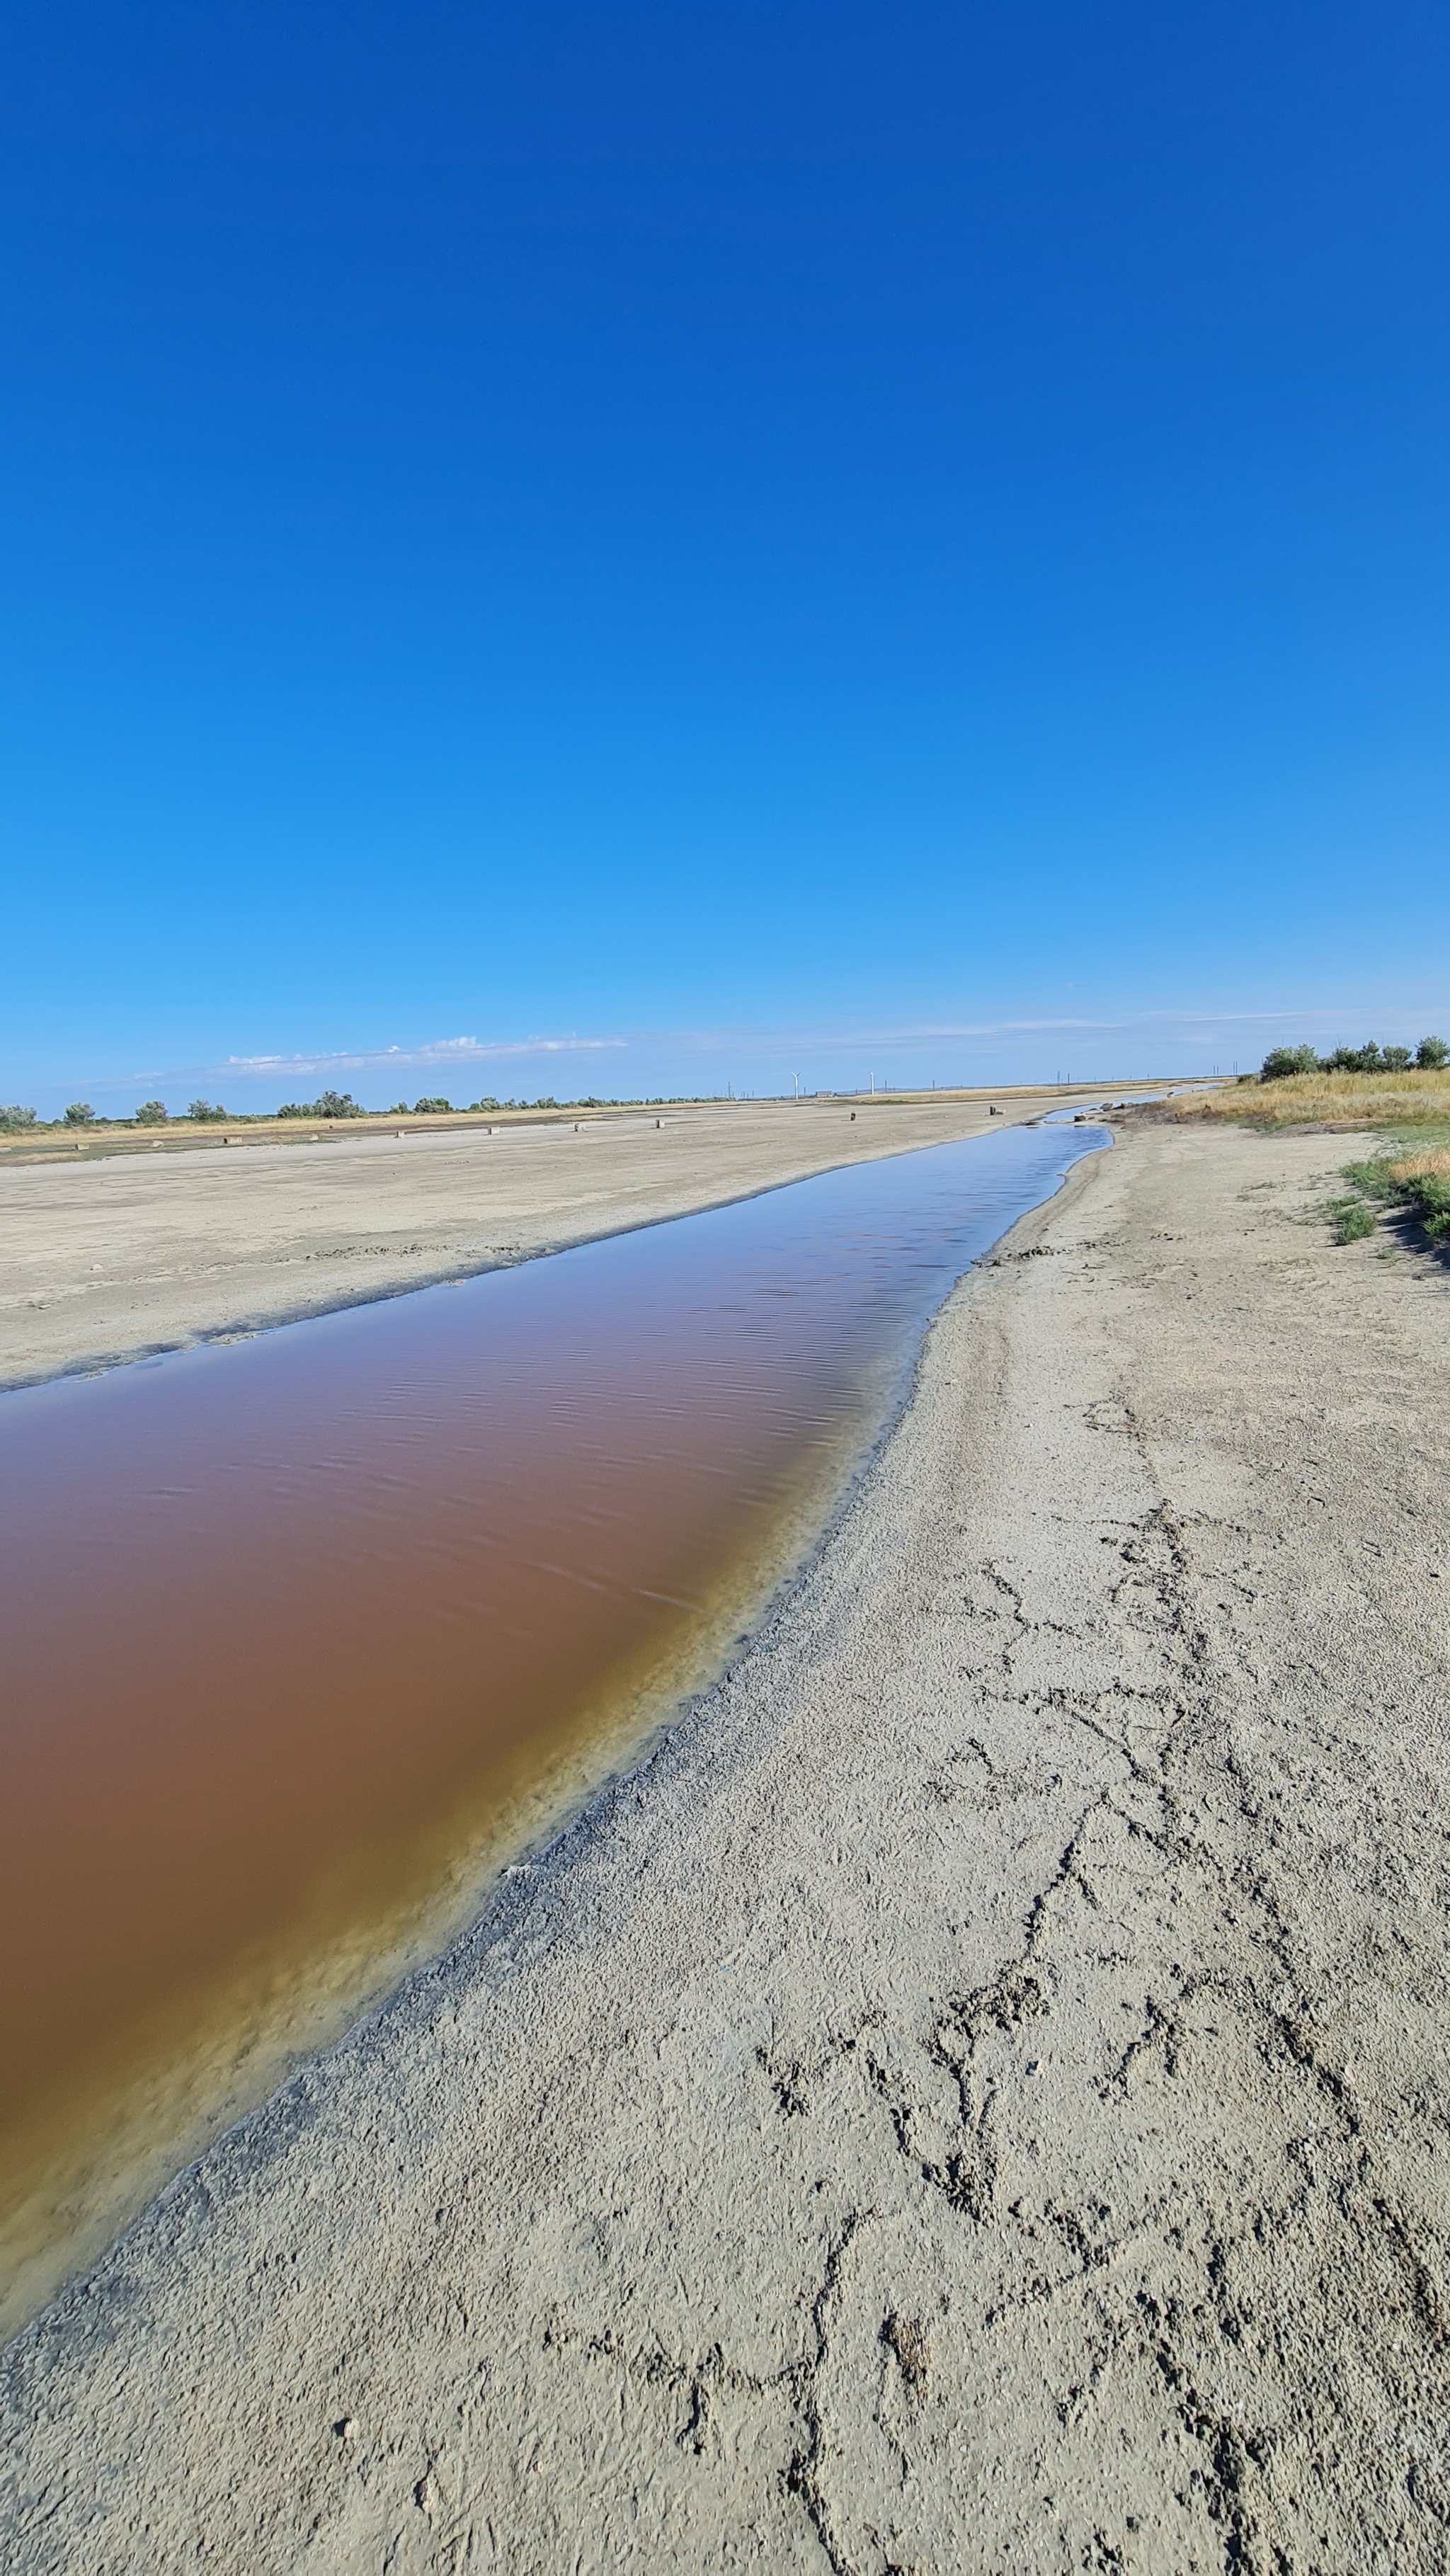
438,1051
831,1050
433,1055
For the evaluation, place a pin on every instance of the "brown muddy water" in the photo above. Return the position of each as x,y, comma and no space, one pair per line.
303,1635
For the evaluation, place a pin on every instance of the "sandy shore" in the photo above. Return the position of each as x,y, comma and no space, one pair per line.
977,2100
123,1253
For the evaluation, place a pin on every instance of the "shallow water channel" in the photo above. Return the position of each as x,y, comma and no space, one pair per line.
302,1634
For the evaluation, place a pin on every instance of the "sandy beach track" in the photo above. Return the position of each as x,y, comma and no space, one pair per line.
121,1254
976,2101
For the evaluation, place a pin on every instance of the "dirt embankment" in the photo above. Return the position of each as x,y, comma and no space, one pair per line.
977,2101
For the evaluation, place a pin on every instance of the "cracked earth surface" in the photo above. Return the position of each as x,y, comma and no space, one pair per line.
977,2099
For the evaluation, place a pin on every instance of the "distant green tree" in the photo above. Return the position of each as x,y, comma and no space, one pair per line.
1397,1059
80,1114
489,1103
1432,1054
328,1104
1280,1062
399,1110
432,1108
206,1110
15,1116
152,1113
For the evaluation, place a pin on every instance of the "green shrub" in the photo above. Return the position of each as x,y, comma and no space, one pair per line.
432,1108
1431,1054
15,1116
205,1110
1280,1062
152,1113
80,1114
1353,1220
1429,1195
328,1104
1425,1192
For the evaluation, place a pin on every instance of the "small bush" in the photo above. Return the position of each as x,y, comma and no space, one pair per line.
152,1113
1352,1220
432,1108
80,1114
1422,1182
1432,1054
15,1117
1419,1182
1281,1062
205,1110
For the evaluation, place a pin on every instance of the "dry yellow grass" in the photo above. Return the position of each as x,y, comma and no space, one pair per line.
1432,1166
1336,1099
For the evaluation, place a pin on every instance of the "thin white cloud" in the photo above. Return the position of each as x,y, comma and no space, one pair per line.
1180,1025
849,1043
460,1052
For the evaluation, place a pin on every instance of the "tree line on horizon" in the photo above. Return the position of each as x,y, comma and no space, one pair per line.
1430,1056
328,1104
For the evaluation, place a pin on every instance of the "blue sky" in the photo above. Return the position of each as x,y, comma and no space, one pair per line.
729,540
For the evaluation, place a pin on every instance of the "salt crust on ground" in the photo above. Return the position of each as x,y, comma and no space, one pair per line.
977,2101
118,1256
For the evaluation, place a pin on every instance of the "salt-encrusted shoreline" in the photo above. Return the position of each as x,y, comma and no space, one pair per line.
973,2101
120,1257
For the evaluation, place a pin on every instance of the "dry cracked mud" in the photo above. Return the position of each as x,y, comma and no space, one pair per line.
976,2100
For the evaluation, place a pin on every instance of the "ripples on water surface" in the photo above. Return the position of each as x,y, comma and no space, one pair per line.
296,1632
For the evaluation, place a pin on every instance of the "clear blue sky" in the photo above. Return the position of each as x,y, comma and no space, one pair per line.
831,538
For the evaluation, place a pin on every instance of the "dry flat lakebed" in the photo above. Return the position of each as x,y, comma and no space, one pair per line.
976,2099
136,1250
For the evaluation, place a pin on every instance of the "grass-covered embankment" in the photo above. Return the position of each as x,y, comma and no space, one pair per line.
1397,1101
1417,1181
1381,1089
